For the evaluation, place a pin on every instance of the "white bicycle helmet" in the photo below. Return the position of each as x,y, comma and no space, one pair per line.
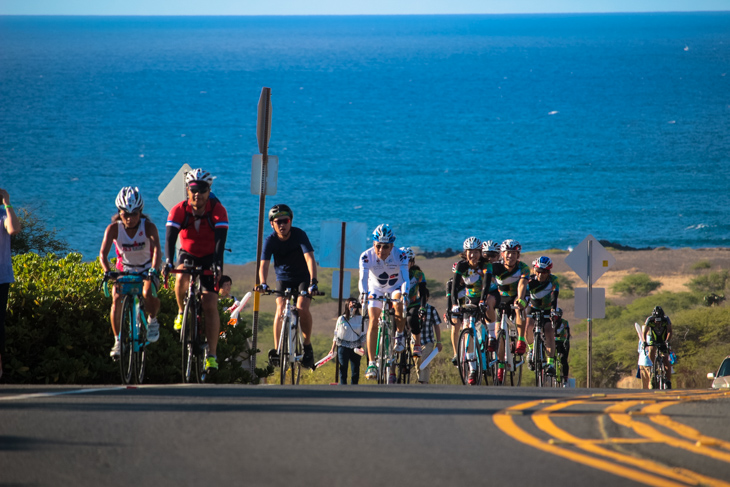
510,244
408,252
198,176
472,243
383,234
490,246
543,263
129,200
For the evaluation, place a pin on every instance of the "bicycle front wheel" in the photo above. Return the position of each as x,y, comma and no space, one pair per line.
382,361
187,338
296,367
140,348
126,341
284,355
468,340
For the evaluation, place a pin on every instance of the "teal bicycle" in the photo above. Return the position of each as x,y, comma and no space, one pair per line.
133,333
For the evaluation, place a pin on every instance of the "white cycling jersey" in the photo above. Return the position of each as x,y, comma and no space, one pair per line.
384,276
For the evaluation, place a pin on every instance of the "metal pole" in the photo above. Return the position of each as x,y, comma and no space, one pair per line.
265,121
342,281
590,316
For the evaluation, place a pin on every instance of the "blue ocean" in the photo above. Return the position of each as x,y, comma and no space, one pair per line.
541,128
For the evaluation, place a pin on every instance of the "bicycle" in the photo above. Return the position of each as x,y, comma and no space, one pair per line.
472,337
658,370
384,354
539,350
290,348
558,382
404,361
193,340
512,364
133,333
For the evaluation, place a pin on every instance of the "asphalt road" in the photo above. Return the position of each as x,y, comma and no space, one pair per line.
366,435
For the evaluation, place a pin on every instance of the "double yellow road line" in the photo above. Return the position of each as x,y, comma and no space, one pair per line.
635,414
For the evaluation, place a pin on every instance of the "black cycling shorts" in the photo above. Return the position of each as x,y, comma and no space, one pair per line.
293,285
207,282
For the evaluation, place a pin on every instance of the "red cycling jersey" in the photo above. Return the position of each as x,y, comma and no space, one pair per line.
198,237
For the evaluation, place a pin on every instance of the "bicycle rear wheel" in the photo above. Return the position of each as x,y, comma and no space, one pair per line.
126,341
187,338
405,363
141,353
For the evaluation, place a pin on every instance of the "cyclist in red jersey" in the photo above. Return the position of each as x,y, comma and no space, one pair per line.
201,224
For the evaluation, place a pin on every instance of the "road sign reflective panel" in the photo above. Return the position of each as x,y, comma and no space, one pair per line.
598,303
345,285
174,192
330,244
601,259
272,171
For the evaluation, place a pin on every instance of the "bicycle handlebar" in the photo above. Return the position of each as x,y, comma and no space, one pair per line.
284,294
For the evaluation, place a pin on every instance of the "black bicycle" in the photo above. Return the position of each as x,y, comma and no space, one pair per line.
541,319
404,361
658,370
194,343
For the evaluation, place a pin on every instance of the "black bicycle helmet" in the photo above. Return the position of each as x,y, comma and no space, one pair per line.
658,312
277,211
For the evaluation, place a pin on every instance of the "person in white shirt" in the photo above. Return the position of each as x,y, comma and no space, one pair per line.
383,271
350,332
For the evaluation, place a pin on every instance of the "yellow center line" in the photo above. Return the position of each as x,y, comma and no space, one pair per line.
545,423
651,433
616,406
681,429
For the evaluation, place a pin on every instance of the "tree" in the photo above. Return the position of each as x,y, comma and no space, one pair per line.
34,237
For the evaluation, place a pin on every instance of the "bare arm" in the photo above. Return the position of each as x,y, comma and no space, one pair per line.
12,224
154,236
106,245
311,265
264,271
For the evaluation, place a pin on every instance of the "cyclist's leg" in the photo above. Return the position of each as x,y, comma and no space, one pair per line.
550,342
492,303
151,303
529,336
305,319
212,321
400,319
116,311
374,309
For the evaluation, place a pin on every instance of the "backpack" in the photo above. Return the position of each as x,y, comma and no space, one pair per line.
213,203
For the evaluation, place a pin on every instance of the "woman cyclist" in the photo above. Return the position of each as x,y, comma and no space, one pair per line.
544,290
469,274
416,299
490,253
138,249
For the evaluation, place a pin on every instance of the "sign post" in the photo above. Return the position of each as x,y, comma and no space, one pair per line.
263,134
590,260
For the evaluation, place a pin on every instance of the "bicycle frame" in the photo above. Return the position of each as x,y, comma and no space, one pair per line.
508,329
469,329
133,325
386,338
539,351
291,344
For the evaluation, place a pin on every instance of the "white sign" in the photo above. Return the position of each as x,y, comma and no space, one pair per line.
174,192
331,245
345,285
598,303
601,260
272,171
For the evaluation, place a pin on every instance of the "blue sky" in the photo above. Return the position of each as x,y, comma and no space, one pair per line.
345,7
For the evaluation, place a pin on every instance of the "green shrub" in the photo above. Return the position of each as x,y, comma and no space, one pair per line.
58,329
700,265
639,284
713,282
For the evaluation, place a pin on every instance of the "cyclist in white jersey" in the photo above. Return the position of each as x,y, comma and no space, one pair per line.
138,249
383,269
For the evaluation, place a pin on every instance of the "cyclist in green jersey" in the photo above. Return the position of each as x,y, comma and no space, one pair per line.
562,341
417,296
469,275
657,332
544,290
490,253
511,276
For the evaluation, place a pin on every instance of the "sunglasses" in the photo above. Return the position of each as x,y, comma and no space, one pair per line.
199,189
541,271
282,221
129,215
383,246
